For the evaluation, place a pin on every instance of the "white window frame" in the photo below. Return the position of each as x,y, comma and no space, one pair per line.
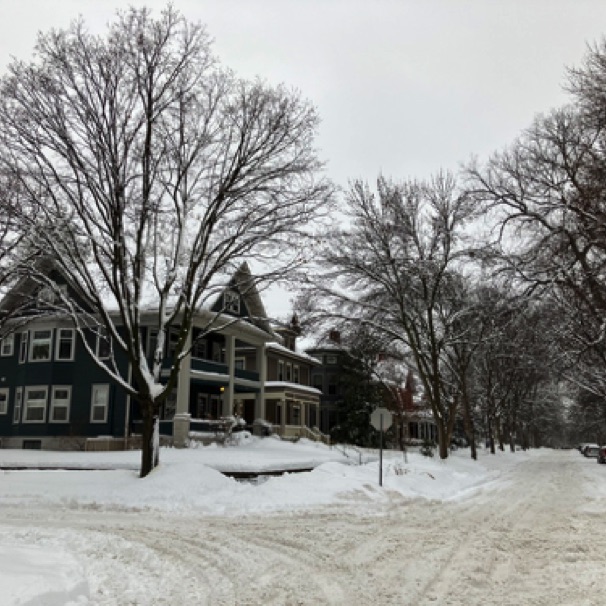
40,403
152,341
33,342
45,297
60,403
231,301
99,388
58,341
5,393
100,336
7,346
23,346
18,405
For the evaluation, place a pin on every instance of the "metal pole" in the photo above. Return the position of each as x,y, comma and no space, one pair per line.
381,450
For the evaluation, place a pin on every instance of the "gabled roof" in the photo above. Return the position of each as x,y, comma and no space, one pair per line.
244,283
27,287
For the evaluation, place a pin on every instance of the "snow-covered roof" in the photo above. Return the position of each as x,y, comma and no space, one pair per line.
273,346
293,386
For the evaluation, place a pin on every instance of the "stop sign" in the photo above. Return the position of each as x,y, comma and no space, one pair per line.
375,419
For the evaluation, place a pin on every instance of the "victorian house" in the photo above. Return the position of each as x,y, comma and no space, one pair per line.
54,396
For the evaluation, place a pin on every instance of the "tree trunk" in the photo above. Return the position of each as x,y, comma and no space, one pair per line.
469,425
490,434
149,455
442,439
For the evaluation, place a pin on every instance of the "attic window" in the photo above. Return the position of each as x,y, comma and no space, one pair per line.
49,295
46,296
231,302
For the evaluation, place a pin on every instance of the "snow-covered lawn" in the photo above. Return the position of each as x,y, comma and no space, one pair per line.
191,480
188,486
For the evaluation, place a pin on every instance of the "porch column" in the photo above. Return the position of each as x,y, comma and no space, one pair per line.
262,370
230,360
184,380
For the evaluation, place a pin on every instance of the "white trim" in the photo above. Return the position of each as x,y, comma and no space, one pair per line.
23,346
231,302
6,392
7,342
58,344
18,405
33,342
27,407
100,333
99,387
54,403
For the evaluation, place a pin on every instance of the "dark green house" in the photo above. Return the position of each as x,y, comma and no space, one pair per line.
54,395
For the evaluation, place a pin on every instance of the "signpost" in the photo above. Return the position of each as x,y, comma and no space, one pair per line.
381,419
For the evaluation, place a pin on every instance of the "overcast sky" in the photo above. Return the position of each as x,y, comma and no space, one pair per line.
403,87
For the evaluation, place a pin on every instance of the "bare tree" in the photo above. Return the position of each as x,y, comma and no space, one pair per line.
549,190
155,173
391,269
15,253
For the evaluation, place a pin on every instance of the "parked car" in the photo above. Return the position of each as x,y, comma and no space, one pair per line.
602,454
591,450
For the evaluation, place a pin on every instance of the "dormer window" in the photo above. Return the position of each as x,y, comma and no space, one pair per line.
46,296
231,302
49,295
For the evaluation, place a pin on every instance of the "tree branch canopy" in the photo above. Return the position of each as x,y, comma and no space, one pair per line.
154,172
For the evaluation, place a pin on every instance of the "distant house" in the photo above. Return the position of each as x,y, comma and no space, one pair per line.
413,421
54,396
327,379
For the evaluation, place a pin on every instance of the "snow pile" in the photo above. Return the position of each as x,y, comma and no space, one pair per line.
190,482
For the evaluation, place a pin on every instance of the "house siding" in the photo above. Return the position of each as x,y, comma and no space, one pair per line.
79,374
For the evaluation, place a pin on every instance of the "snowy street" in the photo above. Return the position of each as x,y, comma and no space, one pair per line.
533,535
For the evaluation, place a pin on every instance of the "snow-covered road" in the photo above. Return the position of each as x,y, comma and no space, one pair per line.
531,538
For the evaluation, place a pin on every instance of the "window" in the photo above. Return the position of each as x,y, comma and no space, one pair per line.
51,295
65,344
23,338
35,405
8,346
332,385
103,346
4,393
99,403
289,372
280,370
231,302
60,401
46,296
40,346
295,374
331,359
18,403
240,363
199,349
173,343
152,341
